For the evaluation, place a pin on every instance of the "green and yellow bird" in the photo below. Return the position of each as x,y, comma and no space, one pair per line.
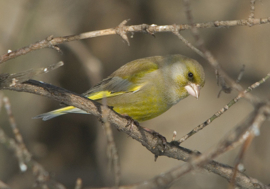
145,88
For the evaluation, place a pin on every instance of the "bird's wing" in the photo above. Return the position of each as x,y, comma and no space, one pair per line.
128,78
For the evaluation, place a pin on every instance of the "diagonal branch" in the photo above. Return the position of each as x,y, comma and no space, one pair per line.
249,128
224,109
149,140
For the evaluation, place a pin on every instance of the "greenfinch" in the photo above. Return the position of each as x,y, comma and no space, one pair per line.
145,88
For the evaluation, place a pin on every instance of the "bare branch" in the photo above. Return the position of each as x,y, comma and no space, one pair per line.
13,79
122,30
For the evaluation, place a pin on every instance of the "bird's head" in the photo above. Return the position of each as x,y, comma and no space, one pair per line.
188,75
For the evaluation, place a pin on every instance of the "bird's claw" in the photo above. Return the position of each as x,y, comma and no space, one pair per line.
157,135
131,122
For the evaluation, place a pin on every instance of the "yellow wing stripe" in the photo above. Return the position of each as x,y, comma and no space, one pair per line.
63,110
103,94
106,94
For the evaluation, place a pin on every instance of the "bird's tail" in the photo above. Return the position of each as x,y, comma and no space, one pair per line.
59,112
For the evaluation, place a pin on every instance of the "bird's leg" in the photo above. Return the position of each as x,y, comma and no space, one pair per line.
132,122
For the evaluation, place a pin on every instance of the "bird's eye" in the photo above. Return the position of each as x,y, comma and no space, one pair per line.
190,75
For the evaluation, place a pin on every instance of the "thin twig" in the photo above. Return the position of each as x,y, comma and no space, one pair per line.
1,100
223,83
240,75
78,183
252,10
13,79
251,16
176,32
23,155
112,153
238,162
12,122
122,30
224,109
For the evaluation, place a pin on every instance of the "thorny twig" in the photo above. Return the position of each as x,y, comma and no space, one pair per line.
123,30
252,12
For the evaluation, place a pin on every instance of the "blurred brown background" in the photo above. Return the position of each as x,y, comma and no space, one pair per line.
74,146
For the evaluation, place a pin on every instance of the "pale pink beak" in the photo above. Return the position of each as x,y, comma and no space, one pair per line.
193,90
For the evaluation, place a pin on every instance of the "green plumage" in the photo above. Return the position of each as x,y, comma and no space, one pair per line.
145,88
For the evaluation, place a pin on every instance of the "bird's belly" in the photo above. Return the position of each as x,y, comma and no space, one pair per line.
138,106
